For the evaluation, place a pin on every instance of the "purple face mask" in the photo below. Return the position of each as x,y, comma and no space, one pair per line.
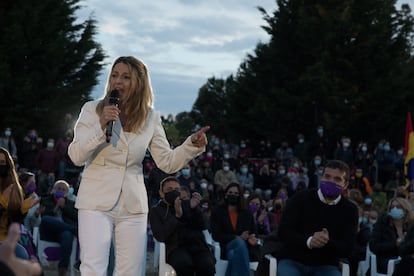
59,194
31,187
330,189
253,207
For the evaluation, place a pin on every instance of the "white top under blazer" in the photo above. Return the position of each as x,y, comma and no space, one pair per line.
115,167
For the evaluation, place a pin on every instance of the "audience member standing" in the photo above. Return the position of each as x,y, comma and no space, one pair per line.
7,142
30,147
320,144
223,178
47,164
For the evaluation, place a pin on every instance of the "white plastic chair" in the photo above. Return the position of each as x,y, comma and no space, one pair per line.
164,269
42,245
363,266
221,265
390,267
273,266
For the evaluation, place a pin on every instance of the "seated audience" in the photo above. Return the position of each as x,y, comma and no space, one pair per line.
265,221
234,228
318,227
389,232
59,222
179,224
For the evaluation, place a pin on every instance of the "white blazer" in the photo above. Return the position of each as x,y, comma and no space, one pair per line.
115,167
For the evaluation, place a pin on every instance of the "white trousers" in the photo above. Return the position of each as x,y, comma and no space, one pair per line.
96,229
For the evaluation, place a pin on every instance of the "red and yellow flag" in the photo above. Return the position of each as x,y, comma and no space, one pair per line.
409,150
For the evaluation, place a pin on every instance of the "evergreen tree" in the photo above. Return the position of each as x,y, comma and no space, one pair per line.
210,107
49,65
344,64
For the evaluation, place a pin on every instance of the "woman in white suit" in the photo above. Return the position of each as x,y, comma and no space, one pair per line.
112,199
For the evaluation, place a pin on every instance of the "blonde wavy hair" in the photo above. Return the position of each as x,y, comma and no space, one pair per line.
16,196
140,99
406,206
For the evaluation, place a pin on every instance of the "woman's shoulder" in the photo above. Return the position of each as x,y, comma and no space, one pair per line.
153,114
91,104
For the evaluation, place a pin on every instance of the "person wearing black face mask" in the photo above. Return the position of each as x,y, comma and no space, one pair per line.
234,228
179,224
12,205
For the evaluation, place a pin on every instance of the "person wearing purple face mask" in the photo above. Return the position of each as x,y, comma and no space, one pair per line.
59,222
28,182
265,221
318,226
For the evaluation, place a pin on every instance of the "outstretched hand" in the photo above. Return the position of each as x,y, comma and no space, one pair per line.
199,139
19,266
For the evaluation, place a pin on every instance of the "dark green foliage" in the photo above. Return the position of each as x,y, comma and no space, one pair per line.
49,64
344,64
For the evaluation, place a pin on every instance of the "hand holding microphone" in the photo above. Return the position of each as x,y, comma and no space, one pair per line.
110,114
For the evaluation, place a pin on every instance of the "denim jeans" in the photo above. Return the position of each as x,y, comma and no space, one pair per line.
21,252
238,258
55,230
287,267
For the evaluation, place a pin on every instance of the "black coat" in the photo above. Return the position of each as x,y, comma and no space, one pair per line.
222,229
177,232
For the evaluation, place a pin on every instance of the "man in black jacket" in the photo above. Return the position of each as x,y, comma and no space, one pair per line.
318,227
179,224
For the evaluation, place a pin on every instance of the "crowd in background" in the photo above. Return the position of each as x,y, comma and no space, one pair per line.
269,173
264,168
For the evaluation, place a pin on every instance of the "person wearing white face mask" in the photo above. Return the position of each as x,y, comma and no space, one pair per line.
206,193
7,142
189,180
224,177
245,178
228,157
390,230
47,162
344,151
385,156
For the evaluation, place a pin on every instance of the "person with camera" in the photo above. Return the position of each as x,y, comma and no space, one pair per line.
179,224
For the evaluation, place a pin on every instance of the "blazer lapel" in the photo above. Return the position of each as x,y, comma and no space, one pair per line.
118,134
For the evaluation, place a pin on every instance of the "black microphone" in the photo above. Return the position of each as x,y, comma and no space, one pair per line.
113,100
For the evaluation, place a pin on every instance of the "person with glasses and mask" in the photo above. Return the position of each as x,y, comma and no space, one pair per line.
179,224
233,226
318,226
